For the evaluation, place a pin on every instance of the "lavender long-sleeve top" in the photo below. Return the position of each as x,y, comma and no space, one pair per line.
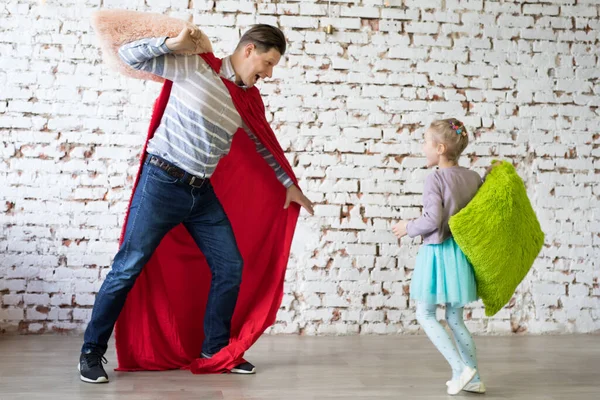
446,192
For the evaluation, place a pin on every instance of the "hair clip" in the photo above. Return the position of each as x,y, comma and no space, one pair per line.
458,128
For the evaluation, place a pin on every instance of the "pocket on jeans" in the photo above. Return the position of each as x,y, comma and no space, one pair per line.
161,175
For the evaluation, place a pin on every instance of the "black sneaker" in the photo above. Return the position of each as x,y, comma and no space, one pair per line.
91,369
244,368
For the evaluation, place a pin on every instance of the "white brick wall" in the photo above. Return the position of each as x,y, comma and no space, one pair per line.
349,110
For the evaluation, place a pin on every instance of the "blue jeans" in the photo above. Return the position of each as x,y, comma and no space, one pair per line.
160,203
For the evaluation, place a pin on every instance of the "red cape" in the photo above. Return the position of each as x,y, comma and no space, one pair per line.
161,325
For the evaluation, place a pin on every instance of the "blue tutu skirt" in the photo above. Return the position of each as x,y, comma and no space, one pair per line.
443,275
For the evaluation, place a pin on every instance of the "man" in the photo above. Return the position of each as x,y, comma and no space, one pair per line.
174,187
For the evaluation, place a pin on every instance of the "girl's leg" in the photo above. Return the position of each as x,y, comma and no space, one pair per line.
439,337
463,338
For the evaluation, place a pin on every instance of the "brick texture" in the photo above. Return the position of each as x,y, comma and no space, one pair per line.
349,109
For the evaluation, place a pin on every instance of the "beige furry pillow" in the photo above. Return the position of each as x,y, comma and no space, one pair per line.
117,27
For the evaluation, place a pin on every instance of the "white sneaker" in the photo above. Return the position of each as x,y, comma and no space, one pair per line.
478,387
473,387
455,386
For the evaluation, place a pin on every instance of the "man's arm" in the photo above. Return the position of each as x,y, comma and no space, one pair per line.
268,157
293,194
154,55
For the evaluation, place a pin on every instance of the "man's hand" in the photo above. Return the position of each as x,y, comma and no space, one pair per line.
295,195
399,230
184,41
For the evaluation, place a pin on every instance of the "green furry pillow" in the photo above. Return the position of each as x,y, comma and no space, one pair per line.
500,235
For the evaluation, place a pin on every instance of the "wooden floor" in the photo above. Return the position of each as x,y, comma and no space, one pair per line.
294,368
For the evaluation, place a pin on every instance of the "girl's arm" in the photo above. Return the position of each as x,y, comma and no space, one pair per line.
433,205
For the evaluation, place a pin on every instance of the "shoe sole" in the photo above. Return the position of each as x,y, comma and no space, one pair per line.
234,370
88,380
466,389
243,371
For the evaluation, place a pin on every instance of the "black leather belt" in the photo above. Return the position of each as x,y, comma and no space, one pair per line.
176,172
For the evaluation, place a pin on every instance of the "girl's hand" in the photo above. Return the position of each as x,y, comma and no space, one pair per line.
489,169
399,230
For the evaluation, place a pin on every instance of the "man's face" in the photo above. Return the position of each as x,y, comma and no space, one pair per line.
257,65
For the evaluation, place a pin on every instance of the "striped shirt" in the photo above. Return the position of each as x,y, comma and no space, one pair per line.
200,119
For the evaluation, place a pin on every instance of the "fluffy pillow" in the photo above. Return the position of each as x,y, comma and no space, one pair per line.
117,27
500,234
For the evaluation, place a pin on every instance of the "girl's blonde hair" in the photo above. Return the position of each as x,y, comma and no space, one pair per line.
451,133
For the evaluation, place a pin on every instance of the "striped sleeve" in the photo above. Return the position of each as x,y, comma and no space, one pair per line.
268,157
152,55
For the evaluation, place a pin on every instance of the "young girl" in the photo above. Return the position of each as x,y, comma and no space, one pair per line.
442,274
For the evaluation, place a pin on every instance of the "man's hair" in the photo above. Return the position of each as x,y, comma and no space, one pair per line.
264,37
